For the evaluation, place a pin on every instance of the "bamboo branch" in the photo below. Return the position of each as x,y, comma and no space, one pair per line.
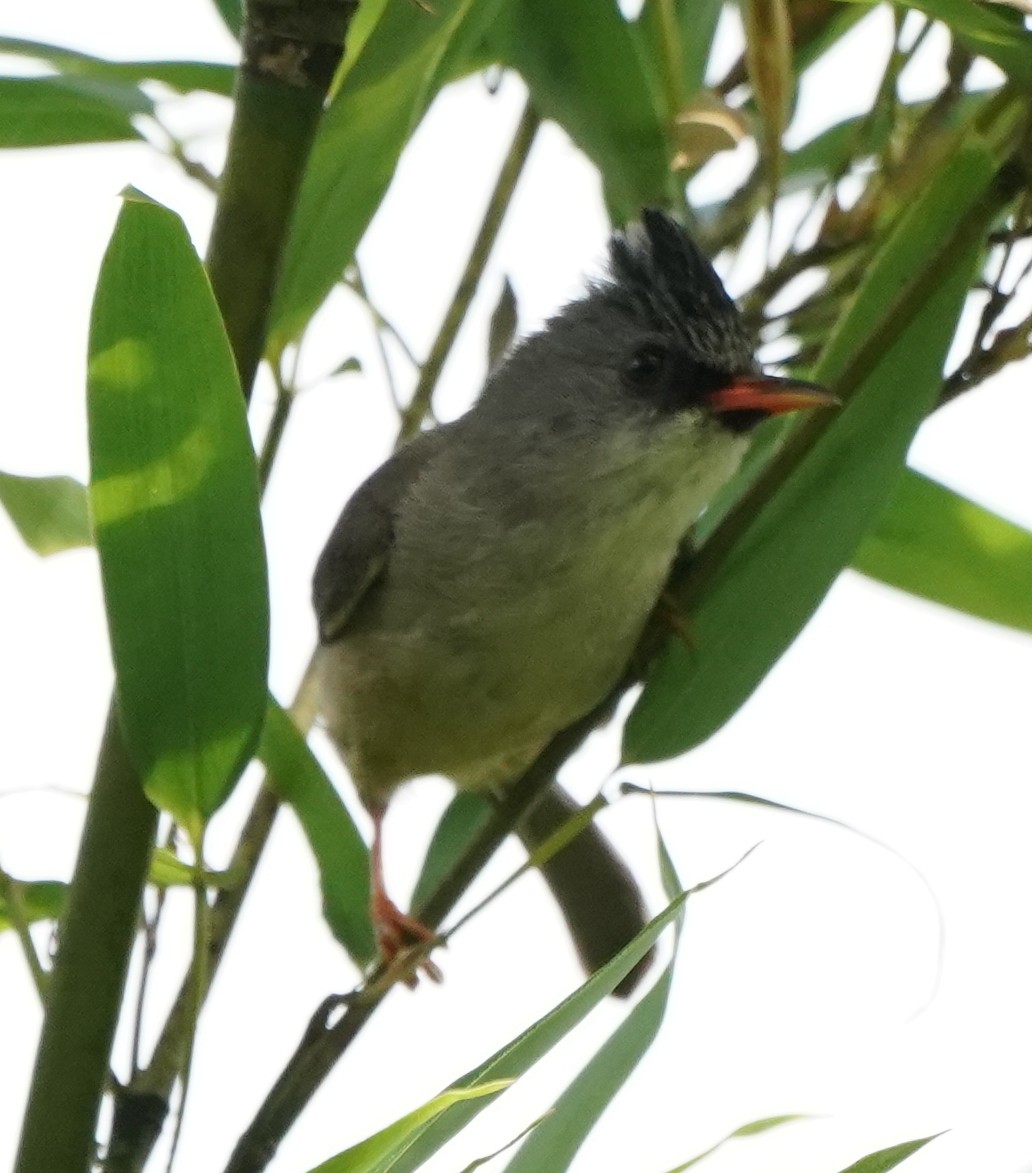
291,51
88,978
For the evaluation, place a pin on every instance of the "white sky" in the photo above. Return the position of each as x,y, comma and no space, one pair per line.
808,978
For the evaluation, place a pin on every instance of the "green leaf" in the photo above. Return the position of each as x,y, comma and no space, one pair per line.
56,111
174,499
406,58
39,899
167,870
182,76
675,38
941,546
232,13
339,850
524,1051
503,325
459,825
581,64
380,1152
885,1159
982,30
480,1162
50,513
551,1147
754,1128
889,351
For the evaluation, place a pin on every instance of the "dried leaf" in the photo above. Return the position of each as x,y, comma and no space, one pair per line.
704,127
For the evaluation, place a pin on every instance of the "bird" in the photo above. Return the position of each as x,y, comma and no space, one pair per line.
486,586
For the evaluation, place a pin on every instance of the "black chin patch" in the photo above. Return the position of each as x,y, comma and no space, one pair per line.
741,422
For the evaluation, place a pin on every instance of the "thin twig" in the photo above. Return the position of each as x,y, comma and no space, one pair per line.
14,897
150,946
512,168
286,392
382,326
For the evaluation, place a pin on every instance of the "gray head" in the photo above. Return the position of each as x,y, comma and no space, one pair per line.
653,337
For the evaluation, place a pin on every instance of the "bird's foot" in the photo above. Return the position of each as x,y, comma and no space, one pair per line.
404,942
675,620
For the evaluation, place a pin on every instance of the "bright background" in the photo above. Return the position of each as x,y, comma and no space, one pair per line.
811,979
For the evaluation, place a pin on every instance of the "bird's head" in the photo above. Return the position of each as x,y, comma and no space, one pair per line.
657,340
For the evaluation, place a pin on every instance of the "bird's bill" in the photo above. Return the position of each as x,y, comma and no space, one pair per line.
771,394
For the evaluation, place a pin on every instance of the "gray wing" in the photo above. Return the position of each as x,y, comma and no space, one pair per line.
357,551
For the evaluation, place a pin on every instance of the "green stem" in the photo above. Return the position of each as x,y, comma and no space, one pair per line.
290,54
13,894
323,1043
143,1104
274,436
88,978
512,168
291,51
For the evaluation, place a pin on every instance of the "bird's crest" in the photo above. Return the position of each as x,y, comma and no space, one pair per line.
669,282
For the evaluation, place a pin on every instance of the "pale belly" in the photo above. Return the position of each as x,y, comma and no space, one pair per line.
473,687
466,666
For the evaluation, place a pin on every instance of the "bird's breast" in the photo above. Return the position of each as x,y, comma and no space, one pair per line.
491,634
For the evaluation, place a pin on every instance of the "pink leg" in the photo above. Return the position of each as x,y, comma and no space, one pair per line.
395,930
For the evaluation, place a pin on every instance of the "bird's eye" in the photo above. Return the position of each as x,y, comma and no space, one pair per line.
646,364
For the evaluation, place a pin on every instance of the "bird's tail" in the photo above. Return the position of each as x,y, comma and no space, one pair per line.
599,898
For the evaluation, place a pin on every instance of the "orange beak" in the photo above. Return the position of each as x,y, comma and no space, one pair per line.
770,394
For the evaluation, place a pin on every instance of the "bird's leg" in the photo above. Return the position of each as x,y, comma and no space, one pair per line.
674,619
396,931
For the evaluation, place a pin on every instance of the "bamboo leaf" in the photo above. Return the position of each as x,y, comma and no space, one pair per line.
754,1128
675,39
174,500
502,328
407,56
167,870
943,547
581,64
458,826
50,513
380,1152
339,850
820,498
989,33
56,111
885,1159
524,1051
232,13
182,76
551,1147
37,900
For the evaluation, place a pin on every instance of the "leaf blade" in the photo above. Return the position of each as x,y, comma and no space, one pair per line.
885,1159
58,111
790,552
383,97
174,500
377,1153
581,63
50,513
182,76
339,850
551,1147
941,546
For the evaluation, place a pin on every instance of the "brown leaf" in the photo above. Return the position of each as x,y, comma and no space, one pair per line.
704,127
